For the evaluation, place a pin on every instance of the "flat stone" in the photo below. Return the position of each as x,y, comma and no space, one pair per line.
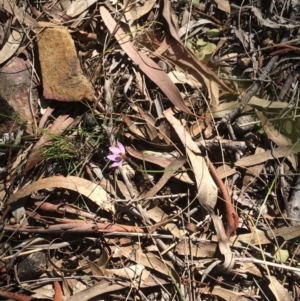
62,76
15,100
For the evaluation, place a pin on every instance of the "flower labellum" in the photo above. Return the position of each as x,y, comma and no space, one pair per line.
117,155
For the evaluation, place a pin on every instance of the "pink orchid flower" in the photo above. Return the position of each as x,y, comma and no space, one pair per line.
118,154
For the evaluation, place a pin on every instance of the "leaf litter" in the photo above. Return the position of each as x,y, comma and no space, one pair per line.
158,156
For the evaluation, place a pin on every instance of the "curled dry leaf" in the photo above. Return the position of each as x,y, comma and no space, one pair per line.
90,190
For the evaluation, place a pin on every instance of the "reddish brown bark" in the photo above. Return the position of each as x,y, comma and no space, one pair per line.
231,217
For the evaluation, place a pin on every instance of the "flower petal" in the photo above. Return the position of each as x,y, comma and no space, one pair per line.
114,150
114,157
116,164
121,147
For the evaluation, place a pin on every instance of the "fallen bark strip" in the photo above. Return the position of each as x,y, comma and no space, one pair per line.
232,219
14,296
69,226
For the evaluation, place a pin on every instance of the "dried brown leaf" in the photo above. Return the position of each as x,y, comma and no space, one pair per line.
132,127
130,272
163,219
279,152
206,187
199,250
226,171
261,237
172,168
271,132
79,6
252,173
179,77
133,12
22,16
188,60
160,161
278,290
147,65
90,190
227,107
276,136
226,294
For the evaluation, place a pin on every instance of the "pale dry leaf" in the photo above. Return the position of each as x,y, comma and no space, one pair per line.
11,45
147,65
279,152
188,59
130,272
98,289
124,190
160,161
199,250
158,215
280,293
43,292
271,132
228,262
206,187
22,16
137,255
213,90
260,237
226,294
95,269
225,171
79,6
223,5
172,168
276,136
268,23
134,12
252,173
249,267
178,77
151,261
84,187
227,107
132,127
